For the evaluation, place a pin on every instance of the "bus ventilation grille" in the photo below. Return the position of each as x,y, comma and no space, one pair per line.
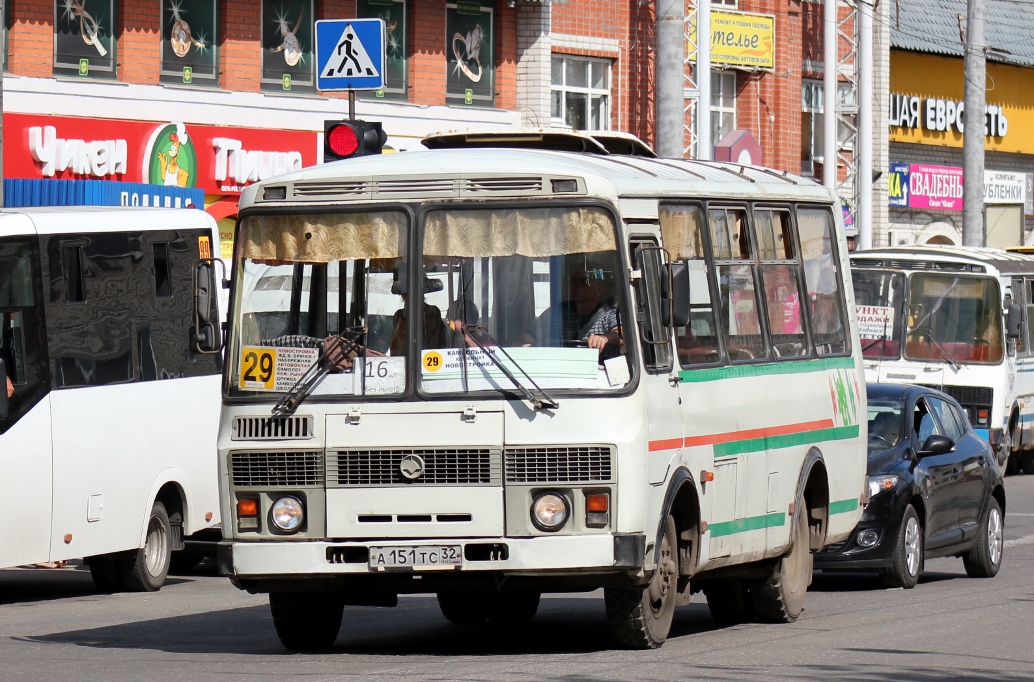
269,428
276,469
968,396
559,465
472,466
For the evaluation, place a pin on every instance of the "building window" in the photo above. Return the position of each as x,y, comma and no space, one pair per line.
581,92
723,104
287,45
813,122
189,51
396,29
84,43
470,54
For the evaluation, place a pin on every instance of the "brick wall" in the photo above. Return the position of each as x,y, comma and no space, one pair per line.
139,42
240,42
31,38
427,52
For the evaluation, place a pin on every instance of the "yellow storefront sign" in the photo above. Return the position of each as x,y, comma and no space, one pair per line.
927,103
739,39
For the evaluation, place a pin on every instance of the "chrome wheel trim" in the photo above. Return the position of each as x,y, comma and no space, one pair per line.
995,536
912,546
156,547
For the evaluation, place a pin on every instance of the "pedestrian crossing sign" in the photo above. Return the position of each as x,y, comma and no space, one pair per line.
350,54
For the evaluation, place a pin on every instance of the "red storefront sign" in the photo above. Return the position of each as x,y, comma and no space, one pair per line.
219,160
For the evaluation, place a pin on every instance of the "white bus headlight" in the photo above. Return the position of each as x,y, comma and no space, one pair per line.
549,511
288,514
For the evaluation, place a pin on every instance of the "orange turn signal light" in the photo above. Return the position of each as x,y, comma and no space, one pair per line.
247,508
597,502
706,476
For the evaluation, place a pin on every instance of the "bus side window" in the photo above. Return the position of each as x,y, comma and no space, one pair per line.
823,279
655,337
737,284
21,319
780,278
683,235
1028,285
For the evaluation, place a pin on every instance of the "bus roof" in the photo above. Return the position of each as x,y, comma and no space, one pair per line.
945,258
66,219
486,173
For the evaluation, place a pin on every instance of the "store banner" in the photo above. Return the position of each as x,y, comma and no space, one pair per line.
919,185
738,39
936,187
897,190
216,159
1003,187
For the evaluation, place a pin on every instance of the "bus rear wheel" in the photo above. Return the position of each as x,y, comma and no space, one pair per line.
106,572
729,602
306,621
464,608
513,608
641,618
780,597
145,569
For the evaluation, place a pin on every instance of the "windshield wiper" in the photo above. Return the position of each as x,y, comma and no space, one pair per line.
541,401
874,342
312,377
928,333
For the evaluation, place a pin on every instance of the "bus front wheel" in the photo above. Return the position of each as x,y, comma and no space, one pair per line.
641,618
306,621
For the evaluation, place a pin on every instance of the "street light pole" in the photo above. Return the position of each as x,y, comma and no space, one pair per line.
973,134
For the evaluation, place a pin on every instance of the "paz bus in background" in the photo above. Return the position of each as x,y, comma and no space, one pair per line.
489,374
961,320
107,444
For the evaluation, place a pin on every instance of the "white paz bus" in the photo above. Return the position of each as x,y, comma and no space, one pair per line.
107,445
961,320
489,374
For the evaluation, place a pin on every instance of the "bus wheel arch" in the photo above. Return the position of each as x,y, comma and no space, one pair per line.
813,494
682,503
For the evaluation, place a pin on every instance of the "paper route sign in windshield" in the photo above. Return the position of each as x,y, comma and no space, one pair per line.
549,367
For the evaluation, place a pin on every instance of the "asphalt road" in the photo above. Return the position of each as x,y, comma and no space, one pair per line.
54,626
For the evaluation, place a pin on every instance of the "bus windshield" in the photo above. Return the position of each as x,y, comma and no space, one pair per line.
878,298
536,290
954,319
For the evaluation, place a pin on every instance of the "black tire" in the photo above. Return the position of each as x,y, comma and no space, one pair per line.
908,553
780,597
464,608
107,573
145,569
306,621
984,560
729,602
1027,462
184,561
1012,465
512,608
641,618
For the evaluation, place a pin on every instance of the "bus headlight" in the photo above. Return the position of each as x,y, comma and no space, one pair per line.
549,511
288,514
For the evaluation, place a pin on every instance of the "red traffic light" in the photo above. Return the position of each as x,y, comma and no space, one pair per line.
342,140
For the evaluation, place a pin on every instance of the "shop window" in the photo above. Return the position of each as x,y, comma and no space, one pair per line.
723,104
84,43
581,92
813,126
470,53
396,41
288,54
189,49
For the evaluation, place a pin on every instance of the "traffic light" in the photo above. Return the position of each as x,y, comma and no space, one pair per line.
348,139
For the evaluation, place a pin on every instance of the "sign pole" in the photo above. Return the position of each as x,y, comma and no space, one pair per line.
351,105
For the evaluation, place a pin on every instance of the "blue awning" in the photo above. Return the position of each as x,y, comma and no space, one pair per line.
20,193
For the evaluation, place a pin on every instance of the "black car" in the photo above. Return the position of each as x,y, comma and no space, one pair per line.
934,490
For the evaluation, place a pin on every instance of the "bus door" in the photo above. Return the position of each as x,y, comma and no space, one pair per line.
660,381
25,436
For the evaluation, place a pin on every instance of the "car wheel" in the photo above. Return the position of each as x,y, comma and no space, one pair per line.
641,618
780,597
984,560
908,553
306,621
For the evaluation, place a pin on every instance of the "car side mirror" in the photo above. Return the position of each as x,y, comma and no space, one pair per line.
207,334
4,401
675,305
936,445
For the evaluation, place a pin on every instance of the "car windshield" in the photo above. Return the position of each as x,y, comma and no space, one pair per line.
886,424
954,319
878,298
534,292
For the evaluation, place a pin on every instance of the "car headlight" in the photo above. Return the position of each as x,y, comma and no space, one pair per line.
879,484
288,514
549,511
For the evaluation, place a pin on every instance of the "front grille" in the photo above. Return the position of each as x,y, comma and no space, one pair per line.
471,466
967,395
276,469
587,464
271,428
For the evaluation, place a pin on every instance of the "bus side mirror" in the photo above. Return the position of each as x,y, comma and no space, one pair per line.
1013,322
4,402
675,307
206,332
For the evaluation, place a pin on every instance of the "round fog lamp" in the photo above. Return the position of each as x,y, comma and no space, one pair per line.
549,511
288,513
868,538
